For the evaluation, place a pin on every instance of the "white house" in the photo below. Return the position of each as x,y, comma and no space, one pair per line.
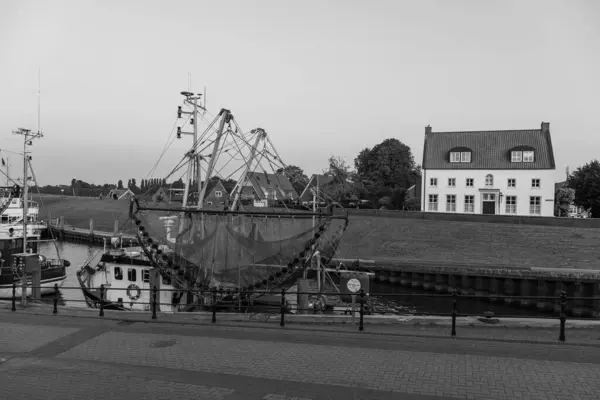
489,172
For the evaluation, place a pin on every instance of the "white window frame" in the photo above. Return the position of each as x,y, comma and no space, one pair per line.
465,156
209,203
472,182
433,182
489,180
516,156
513,181
511,204
218,193
452,182
528,156
469,203
454,156
433,205
534,181
451,203
535,209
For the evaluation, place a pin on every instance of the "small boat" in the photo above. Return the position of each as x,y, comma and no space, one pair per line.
11,214
15,248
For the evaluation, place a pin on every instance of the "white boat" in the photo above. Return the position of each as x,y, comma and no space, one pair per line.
15,246
11,218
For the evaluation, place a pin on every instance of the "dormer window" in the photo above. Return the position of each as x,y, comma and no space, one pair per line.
460,155
522,154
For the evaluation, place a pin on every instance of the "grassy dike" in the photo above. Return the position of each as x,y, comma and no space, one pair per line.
384,238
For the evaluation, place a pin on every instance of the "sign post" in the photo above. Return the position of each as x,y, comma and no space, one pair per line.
353,286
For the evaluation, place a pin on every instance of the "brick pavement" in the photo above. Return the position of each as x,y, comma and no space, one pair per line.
100,359
395,371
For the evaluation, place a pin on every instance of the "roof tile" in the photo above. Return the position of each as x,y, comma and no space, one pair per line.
490,149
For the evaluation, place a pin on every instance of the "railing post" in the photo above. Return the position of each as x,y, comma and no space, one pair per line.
55,310
14,298
282,322
361,325
563,315
154,293
454,299
102,289
214,305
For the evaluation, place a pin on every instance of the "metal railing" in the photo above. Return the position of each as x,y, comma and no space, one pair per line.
217,303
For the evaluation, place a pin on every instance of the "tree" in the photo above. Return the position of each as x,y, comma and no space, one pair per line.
296,176
120,184
563,197
586,183
388,164
342,186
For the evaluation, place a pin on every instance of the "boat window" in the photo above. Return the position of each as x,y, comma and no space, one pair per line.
146,275
131,274
118,273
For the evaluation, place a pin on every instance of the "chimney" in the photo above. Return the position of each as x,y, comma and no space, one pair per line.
545,127
567,172
427,129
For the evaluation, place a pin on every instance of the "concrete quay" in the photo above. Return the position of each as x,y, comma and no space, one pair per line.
56,357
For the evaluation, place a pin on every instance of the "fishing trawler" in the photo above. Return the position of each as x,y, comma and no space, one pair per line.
217,246
14,244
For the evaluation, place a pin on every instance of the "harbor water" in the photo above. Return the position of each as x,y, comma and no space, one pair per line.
398,299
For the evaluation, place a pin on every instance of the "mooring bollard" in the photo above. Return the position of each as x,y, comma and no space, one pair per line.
102,300
563,315
14,298
361,325
154,293
454,299
282,322
214,305
55,310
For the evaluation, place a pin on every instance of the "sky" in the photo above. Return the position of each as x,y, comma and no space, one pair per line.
321,77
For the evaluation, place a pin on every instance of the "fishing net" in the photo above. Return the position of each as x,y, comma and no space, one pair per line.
239,249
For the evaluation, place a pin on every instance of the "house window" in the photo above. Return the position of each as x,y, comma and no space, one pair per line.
489,197
489,180
469,204
451,202
452,182
118,272
432,181
512,182
146,275
460,156
218,193
511,204
131,274
433,202
469,182
528,156
535,205
535,183
209,203
516,156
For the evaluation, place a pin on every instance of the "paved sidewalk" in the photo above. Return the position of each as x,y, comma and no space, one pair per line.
54,357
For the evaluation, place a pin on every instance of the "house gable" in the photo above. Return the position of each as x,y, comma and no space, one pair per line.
488,149
312,182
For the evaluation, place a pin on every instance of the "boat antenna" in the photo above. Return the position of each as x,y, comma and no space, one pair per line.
39,96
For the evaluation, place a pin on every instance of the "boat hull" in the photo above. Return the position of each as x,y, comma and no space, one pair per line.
47,287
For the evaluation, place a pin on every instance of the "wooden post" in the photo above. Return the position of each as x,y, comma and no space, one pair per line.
116,228
61,227
92,230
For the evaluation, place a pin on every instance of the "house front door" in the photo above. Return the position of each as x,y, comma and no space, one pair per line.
489,207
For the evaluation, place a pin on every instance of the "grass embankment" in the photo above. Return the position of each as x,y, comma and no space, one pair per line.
409,239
